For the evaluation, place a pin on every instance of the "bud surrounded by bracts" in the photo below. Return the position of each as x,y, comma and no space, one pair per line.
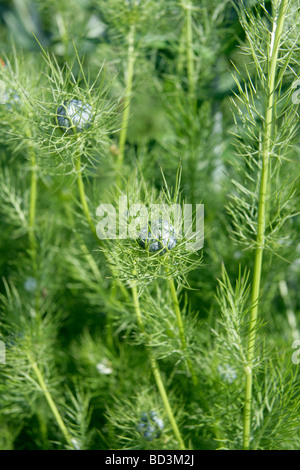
150,425
74,116
158,236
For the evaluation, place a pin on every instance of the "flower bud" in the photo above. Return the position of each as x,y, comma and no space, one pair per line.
158,236
74,116
150,425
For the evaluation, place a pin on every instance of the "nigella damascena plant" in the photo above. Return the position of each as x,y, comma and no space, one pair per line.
150,425
74,116
158,236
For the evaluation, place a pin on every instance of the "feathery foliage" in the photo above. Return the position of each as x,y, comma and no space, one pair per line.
137,341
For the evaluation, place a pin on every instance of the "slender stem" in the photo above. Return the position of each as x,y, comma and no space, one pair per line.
128,93
87,211
43,429
181,327
82,194
165,399
181,54
215,426
51,402
278,23
32,212
137,307
83,247
156,371
97,273
33,197
187,5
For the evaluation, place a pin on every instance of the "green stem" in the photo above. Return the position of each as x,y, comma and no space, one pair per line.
43,429
128,93
137,307
33,198
260,237
83,196
181,54
95,270
83,247
51,403
32,213
187,5
165,399
86,211
32,207
156,371
181,327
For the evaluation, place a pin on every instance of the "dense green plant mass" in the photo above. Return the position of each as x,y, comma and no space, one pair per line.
139,342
